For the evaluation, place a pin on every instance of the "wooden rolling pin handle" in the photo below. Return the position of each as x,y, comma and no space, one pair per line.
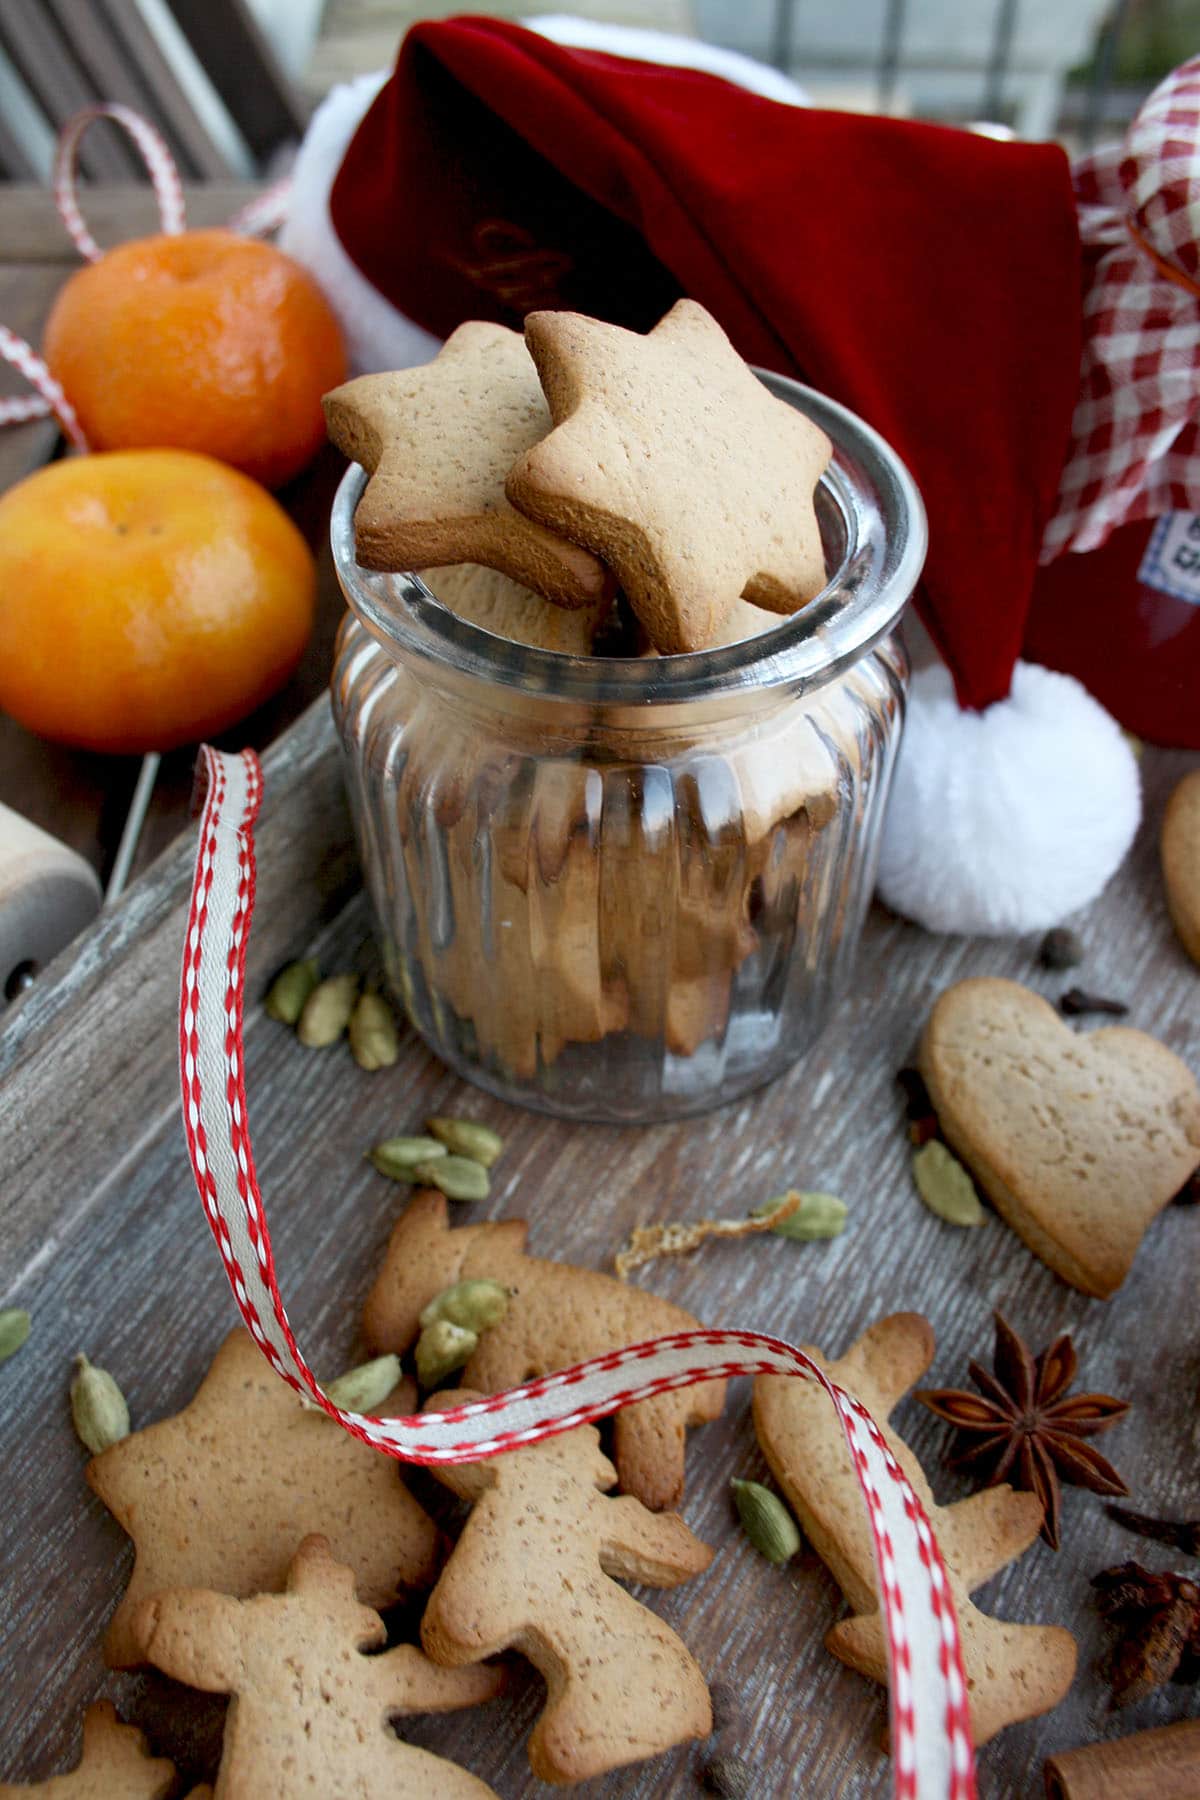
47,894
1163,1764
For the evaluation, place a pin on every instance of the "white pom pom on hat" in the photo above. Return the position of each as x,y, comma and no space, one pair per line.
1005,820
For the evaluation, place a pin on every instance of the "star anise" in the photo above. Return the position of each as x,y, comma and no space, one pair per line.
1158,1621
1023,1427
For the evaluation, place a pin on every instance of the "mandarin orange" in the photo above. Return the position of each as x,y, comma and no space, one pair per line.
147,598
204,341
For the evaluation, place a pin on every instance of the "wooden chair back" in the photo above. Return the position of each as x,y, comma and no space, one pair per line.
201,70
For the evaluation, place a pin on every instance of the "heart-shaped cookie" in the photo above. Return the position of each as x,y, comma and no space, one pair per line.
1078,1139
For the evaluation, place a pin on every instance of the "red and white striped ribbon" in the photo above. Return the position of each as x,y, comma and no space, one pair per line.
48,397
931,1736
160,164
265,213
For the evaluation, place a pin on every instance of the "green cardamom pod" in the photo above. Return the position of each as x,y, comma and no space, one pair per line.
14,1329
442,1348
290,989
817,1216
374,1040
398,1157
945,1186
766,1521
361,1390
458,1177
326,1012
472,1304
97,1407
467,1137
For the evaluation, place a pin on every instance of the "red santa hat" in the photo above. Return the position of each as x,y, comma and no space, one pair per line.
928,278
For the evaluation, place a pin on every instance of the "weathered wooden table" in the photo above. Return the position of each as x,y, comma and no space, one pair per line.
102,1238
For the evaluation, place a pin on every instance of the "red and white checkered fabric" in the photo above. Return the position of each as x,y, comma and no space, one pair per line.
1135,437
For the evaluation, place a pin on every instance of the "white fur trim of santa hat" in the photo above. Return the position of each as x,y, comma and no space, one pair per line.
377,336
1006,820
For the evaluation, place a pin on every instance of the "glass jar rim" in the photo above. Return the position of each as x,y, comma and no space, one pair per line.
885,539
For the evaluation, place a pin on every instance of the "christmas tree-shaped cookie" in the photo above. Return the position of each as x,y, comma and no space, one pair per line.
310,1711
220,1495
1013,1671
534,1570
557,1315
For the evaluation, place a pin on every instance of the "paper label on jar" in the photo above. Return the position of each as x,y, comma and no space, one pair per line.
1171,562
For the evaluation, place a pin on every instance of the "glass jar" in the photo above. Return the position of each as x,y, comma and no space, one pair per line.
619,889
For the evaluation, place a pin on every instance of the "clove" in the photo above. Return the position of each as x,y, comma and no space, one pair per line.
1182,1534
1076,1001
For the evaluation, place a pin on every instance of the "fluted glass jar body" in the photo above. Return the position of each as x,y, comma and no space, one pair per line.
630,890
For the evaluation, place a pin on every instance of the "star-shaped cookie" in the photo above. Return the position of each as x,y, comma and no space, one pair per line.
672,461
221,1494
116,1765
437,442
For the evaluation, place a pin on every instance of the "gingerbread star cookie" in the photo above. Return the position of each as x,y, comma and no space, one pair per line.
1013,1671
1079,1139
1181,861
496,603
672,461
534,1570
310,1711
220,1495
116,1765
437,442
557,1315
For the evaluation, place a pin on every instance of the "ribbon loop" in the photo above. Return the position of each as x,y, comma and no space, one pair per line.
931,1731
160,165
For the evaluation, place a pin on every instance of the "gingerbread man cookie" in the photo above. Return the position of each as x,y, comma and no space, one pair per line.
672,461
310,1711
437,442
1079,1139
557,1315
116,1765
534,1570
220,1495
1013,1671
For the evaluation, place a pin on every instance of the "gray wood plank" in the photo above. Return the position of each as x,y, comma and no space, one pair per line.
198,153
34,233
112,72
102,1237
60,86
232,48
16,161
57,1089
